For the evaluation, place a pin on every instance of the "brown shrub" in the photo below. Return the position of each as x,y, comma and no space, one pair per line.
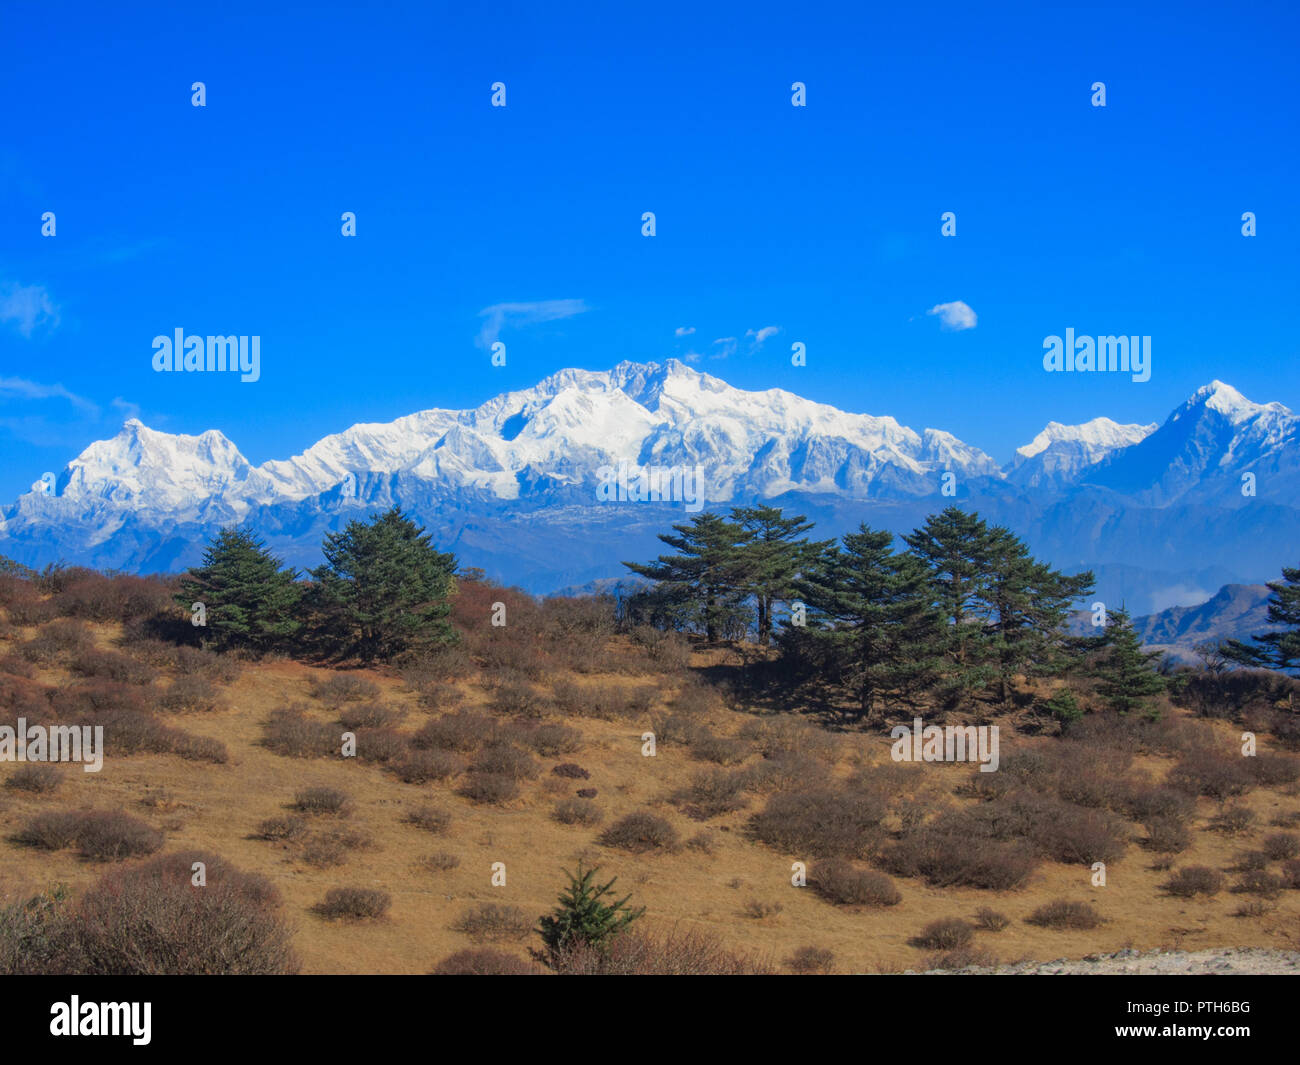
484,961
50,830
58,641
961,958
1194,880
1291,874
990,920
577,812
553,739
721,750
1281,846
674,953
441,862
188,693
110,665
104,836
947,933
39,779
944,856
641,832
811,961
1064,914
353,904
118,598
150,919
292,733
199,748
489,921
571,771
489,787
1167,836
1274,770
326,849
462,731
520,698
336,689
429,818
280,829
507,760
321,800
423,766
1259,882
714,792
822,823
840,882
1233,820
1212,774
381,746
369,716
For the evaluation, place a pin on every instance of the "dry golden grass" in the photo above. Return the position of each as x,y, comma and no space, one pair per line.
218,808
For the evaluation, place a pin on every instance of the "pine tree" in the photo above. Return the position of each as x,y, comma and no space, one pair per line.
871,625
1126,673
1274,650
582,916
956,549
248,600
770,558
705,577
383,590
1030,604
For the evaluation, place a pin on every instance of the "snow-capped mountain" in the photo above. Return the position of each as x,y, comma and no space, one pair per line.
1058,455
512,485
1205,447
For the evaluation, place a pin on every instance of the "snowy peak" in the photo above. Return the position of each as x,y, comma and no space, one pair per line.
141,465
1225,400
1060,454
555,437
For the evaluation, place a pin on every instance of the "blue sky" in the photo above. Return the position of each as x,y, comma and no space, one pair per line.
822,222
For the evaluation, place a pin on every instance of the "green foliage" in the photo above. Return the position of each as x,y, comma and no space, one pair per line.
701,585
249,601
582,917
383,591
1274,650
1126,674
1064,706
870,625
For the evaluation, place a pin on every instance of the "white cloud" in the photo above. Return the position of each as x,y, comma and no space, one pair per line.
692,357
684,330
760,335
21,388
513,315
955,316
727,346
27,305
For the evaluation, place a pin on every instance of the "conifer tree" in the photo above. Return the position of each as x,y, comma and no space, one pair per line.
1030,603
248,600
1274,650
384,590
1126,673
705,576
582,917
770,557
871,623
956,549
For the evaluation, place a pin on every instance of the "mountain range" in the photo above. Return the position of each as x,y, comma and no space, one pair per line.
1164,513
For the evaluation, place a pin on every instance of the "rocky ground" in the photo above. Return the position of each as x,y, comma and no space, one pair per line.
1225,961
